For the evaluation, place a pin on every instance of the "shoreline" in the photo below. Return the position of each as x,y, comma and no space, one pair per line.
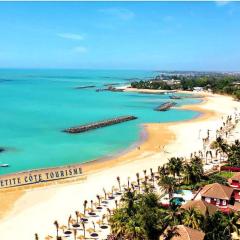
172,135
90,165
147,144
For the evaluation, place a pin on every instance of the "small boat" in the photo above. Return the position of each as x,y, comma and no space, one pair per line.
4,165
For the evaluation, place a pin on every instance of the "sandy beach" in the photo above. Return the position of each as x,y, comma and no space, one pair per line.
34,210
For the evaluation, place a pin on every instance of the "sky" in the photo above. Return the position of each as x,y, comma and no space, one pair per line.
121,35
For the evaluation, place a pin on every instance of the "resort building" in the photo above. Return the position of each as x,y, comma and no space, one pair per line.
216,194
198,89
184,233
202,206
234,182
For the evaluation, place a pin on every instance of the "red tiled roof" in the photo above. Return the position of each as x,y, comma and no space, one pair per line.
186,233
217,190
236,177
202,206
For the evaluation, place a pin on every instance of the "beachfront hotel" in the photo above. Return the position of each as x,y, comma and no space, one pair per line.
120,120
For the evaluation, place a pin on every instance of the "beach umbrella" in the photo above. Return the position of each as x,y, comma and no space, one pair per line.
69,220
105,194
90,230
81,237
81,215
63,227
48,237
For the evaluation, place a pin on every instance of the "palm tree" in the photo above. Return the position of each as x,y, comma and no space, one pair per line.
128,182
94,227
208,153
220,146
116,204
36,236
91,205
99,200
57,228
162,170
77,215
119,183
109,211
234,223
170,232
192,218
217,227
105,194
69,221
75,233
168,184
138,181
85,206
175,166
84,229
152,177
173,216
193,171
145,184
187,173
234,154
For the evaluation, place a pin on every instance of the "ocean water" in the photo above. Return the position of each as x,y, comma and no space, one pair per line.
36,105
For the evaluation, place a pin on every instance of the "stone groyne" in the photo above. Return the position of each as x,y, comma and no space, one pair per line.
84,87
175,97
110,84
100,124
110,88
165,106
2,149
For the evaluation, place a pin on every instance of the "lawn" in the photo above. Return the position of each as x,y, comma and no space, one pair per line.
225,175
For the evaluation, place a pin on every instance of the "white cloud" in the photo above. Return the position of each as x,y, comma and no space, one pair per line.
80,49
72,36
121,13
222,2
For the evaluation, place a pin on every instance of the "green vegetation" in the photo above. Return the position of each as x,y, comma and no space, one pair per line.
231,151
218,83
142,217
225,175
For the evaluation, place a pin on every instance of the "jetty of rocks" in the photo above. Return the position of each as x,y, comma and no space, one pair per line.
100,124
110,88
110,84
2,149
175,97
165,106
84,87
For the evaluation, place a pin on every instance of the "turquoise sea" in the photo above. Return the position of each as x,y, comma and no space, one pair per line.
36,105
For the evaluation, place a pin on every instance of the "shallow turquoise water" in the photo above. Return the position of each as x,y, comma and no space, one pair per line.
37,104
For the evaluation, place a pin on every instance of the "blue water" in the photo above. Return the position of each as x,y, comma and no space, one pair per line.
37,104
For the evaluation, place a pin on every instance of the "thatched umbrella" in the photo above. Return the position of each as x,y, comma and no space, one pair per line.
48,237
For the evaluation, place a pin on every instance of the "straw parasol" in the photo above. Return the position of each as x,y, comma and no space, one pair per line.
48,237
